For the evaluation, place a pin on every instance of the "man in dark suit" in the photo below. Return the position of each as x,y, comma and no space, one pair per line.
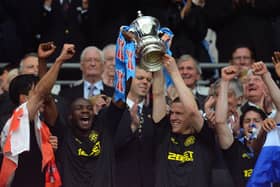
91,65
134,140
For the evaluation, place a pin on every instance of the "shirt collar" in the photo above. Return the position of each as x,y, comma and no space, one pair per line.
98,84
130,104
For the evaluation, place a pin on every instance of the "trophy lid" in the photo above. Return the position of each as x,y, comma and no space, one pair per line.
145,25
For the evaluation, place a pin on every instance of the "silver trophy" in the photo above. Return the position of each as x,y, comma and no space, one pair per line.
145,32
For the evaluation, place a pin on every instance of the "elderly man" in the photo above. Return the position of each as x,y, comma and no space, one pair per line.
29,64
91,65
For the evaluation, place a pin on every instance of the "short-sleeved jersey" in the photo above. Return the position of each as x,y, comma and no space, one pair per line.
240,160
184,160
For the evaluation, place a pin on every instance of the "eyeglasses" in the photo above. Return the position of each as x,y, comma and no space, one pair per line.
239,58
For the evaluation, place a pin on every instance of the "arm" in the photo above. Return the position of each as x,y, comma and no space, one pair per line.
276,62
185,94
260,69
159,101
46,83
44,51
50,110
225,136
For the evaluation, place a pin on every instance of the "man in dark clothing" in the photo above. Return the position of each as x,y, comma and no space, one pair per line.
241,154
134,141
29,132
85,155
185,144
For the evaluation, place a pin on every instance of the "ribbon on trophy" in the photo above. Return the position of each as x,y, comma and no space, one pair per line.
167,38
125,64
126,61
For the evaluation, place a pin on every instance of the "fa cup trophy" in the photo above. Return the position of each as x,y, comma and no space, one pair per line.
145,32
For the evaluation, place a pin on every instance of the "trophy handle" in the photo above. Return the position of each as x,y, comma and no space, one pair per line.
129,34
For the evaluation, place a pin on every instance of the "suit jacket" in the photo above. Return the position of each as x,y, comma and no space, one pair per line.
72,93
200,100
134,154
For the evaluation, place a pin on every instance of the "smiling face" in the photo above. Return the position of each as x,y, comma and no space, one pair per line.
141,83
189,72
254,88
82,114
178,118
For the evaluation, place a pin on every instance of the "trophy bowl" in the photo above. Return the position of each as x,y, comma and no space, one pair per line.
145,31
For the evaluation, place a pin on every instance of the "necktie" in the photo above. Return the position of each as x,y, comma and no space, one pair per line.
91,89
141,121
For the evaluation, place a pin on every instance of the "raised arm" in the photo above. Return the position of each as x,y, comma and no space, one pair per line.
44,86
44,51
159,102
259,68
184,93
225,136
50,109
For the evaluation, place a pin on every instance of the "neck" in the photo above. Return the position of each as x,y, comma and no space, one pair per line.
92,79
256,101
135,98
189,131
81,134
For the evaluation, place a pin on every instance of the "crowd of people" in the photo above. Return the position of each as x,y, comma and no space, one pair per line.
160,135
197,24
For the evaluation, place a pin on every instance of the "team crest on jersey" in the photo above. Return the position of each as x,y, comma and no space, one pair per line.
172,139
189,141
93,136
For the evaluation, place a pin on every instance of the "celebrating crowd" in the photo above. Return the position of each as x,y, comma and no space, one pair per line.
159,135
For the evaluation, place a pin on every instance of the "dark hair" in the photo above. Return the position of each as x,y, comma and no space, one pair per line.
248,108
244,45
21,84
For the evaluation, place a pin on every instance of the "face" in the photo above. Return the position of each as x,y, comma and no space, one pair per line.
141,83
254,88
109,63
178,118
251,117
30,65
91,64
189,73
242,58
82,115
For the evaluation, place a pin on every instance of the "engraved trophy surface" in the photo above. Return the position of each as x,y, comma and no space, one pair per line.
145,31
